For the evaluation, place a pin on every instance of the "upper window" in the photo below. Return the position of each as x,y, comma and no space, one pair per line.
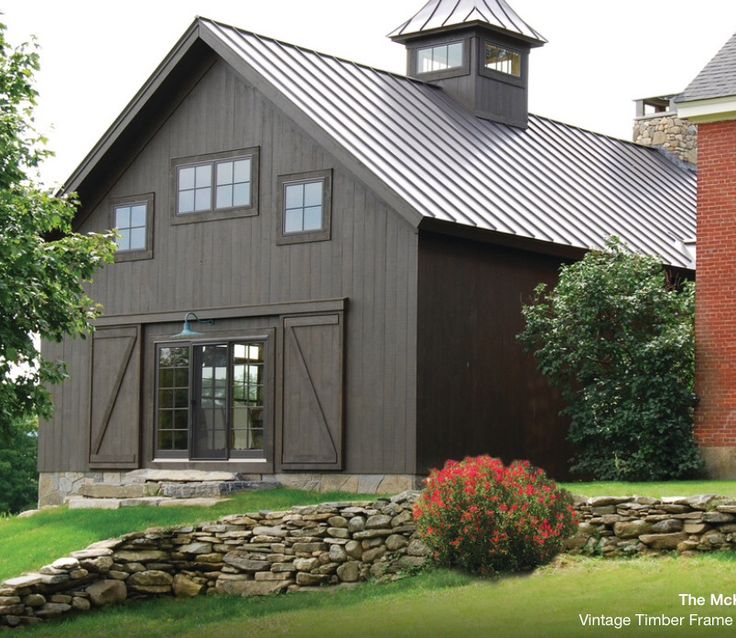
502,60
305,207
132,218
441,57
225,184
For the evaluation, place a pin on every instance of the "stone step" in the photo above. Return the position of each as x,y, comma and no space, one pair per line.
82,502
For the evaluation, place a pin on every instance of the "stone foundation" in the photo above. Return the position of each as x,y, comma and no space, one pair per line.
720,462
57,488
253,554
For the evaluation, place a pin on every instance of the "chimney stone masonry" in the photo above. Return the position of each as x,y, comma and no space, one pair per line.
657,124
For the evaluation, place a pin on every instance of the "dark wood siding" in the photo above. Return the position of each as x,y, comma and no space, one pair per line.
370,259
478,392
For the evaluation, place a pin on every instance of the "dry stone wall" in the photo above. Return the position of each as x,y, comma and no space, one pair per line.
625,526
254,554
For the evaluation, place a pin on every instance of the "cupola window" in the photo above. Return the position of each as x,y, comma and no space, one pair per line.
502,60
442,57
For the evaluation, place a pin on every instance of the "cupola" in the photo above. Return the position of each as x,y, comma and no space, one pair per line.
477,51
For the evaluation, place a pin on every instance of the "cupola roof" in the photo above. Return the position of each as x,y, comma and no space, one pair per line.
444,15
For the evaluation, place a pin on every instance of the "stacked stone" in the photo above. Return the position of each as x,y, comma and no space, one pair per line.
254,554
670,133
621,526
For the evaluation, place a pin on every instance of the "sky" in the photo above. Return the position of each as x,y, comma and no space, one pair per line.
601,56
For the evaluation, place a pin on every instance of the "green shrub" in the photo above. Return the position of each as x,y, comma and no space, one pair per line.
617,338
485,517
18,477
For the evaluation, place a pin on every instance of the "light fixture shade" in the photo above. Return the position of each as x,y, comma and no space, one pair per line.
187,332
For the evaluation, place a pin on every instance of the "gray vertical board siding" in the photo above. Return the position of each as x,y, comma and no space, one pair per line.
478,391
371,260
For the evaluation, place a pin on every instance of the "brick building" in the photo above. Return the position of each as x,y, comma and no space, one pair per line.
710,102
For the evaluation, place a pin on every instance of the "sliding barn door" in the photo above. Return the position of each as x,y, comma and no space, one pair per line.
115,398
313,393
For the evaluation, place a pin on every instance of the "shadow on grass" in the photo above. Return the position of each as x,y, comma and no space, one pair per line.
168,616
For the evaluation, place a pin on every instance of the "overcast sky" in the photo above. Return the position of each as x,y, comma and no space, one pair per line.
600,57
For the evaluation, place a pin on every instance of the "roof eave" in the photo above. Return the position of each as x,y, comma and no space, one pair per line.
402,38
702,111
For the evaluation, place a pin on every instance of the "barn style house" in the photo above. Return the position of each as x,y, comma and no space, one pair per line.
350,249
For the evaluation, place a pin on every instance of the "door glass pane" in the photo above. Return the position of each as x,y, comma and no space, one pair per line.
173,398
247,392
211,413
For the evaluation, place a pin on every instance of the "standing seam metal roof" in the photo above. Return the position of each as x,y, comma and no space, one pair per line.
717,79
439,14
551,182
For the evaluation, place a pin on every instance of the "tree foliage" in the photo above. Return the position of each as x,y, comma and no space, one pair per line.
18,476
43,264
617,338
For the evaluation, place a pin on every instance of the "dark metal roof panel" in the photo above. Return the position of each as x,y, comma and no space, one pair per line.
717,79
551,182
442,14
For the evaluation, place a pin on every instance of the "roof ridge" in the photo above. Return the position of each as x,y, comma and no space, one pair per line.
291,45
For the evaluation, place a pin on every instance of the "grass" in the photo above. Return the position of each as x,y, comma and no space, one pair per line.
440,603
29,543
667,488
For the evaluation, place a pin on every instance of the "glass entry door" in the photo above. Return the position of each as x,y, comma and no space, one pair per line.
210,402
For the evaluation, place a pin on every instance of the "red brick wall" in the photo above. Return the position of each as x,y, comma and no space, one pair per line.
715,324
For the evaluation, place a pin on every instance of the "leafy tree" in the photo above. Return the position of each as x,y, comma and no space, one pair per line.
43,264
18,476
617,338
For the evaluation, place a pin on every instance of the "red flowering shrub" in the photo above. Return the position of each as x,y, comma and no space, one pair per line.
485,517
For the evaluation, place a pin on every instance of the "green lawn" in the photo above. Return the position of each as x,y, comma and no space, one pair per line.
669,488
546,603
30,543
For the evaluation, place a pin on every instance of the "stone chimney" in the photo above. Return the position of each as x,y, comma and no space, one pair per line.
657,124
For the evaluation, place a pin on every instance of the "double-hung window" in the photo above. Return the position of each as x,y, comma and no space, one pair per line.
218,186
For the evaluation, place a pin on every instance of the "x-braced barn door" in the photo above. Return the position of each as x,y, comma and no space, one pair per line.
313,393
115,398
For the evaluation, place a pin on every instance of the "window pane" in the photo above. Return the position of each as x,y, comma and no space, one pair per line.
181,377
180,440
439,58
204,176
455,55
224,173
165,419
166,378
313,218
313,193
186,178
124,240
224,197
165,399
164,440
186,201
138,215
122,217
293,221
424,60
202,199
241,194
181,418
294,195
138,239
242,171
255,353
502,60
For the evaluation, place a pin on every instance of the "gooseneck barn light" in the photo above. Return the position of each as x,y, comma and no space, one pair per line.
186,331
